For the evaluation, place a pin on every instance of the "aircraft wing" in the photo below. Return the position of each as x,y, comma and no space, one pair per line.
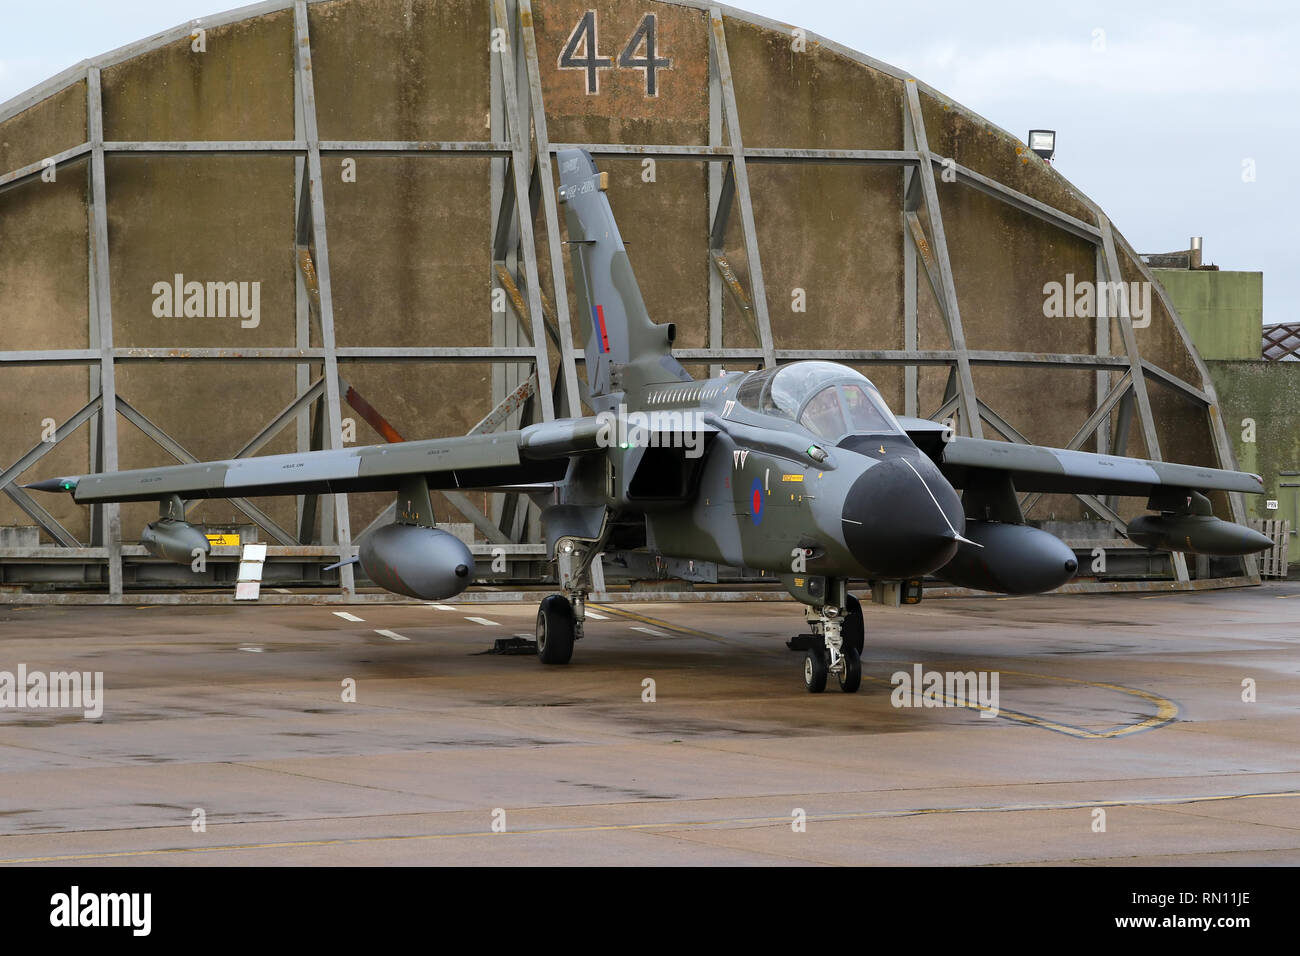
1037,468
536,454
1053,470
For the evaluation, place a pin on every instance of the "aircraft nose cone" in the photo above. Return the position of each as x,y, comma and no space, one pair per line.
901,518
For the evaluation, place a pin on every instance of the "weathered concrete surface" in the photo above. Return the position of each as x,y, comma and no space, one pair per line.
238,712
43,304
45,128
1223,310
1267,393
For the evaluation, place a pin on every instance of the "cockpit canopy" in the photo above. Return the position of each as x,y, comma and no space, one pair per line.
828,399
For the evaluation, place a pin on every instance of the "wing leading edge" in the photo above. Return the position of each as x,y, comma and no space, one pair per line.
1035,468
1039,468
538,453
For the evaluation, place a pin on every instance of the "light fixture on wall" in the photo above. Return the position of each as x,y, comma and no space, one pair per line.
1043,142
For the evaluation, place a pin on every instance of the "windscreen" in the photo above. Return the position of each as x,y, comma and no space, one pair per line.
827,398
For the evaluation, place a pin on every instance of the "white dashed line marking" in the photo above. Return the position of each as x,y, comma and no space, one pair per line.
599,617
443,607
252,650
484,621
391,635
651,631
349,617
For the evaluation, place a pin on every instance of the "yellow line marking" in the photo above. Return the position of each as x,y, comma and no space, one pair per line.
1166,709
664,825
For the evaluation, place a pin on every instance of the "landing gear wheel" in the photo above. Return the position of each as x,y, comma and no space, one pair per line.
853,629
850,675
814,670
555,628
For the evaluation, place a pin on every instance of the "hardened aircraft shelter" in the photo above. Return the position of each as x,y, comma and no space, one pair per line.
310,225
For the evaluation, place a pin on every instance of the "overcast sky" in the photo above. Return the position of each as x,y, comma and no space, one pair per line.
1157,105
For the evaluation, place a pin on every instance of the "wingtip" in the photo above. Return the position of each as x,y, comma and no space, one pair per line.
53,484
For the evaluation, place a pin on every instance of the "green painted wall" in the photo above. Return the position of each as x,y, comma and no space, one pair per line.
1260,401
1223,311
1267,394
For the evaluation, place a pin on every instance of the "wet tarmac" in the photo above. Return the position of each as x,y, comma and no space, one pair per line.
680,734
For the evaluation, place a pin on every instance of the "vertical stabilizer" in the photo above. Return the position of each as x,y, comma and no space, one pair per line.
625,350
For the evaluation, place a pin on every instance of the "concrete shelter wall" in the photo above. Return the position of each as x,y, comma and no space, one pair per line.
410,237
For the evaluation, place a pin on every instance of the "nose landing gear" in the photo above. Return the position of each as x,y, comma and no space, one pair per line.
833,647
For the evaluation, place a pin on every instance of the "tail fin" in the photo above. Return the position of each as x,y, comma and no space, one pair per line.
625,350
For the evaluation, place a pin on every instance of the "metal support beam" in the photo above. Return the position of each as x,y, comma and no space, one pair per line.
520,306
1102,343
568,364
911,341
1117,307
32,171
1121,391
42,517
1002,426
517,127
717,203
1012,197
41,449
728,277
315,187
102,297
295,409
965,383
947,408
922,252
757,287
302,296
1183,389
182,454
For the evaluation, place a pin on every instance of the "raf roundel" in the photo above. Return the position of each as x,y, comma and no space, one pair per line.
756,501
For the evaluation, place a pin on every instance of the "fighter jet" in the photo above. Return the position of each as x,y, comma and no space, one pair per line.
800,471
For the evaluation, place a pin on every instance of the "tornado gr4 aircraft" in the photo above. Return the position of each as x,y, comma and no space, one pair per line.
801,471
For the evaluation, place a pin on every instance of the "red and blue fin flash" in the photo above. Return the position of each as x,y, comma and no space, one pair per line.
598,316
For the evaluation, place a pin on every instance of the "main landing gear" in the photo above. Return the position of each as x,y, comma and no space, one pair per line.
558,626
834,647
560,617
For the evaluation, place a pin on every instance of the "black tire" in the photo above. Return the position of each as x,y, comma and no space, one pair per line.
850,677
814,670
555,627
853,629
